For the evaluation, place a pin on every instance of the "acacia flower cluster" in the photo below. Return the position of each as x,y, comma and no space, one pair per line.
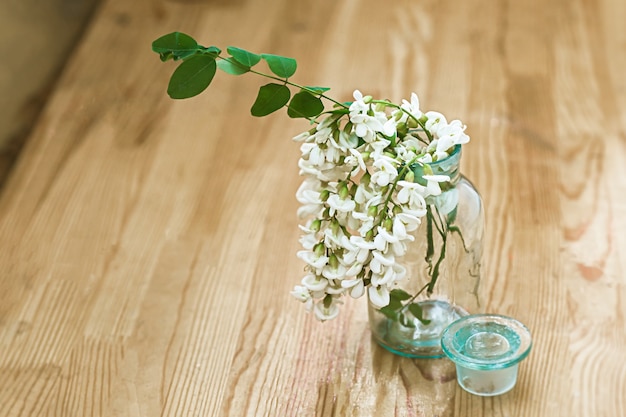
361,197
367,183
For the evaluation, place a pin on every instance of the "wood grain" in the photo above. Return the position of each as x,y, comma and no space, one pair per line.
147,246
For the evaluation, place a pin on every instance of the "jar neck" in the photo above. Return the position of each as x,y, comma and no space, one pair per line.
449,166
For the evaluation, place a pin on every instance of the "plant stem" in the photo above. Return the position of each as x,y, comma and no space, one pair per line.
284,80
410,301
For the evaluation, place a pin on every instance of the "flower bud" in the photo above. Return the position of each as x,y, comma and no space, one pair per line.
402,129
316,225
367,99
410,176
353,189
333,261
343,190
372,211
328,301
365,179
319,249
324,195
388,224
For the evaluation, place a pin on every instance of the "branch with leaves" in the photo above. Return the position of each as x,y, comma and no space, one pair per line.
199,65
363,193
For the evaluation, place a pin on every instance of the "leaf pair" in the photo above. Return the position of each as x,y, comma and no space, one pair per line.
196,71
396,310
273,96
200,64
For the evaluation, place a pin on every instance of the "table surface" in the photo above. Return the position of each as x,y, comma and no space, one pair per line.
147,246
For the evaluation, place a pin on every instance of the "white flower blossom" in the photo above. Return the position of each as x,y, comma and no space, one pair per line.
360,207
386,171
313,260
336,203
355,287
302,294
324,313
314,282
379,296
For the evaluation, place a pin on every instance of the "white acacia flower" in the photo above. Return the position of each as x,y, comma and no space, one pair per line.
378,148
314,261
337,272
308,195
435,121
362,243
348,141
358,105
379,296
398,248
354,287
355,159
389,128
314,282
412,194
366,222
366,125
354,270
302,137
308,241
385,172
326,313
412,107
400,230
432,183
303,295
336,203
317,156
381,261
426,159
360,217
383,237
410,221
364,194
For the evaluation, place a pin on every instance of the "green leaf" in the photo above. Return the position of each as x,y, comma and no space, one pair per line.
245,58
175,45
416,310
282,66
213,51
232,67
305,104
399,294
192,77
317,90
271,98
392,309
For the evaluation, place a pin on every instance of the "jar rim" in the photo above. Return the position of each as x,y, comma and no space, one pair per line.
456,154
456,336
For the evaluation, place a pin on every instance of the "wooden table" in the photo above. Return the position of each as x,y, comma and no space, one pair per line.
147,246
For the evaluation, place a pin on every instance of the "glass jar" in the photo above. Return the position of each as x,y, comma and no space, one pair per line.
443,269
